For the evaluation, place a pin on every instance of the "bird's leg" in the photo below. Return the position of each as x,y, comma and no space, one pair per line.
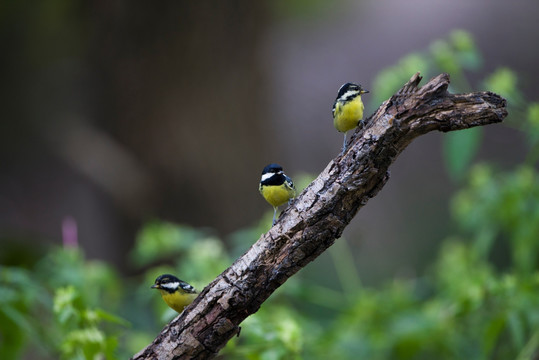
274,215
343,144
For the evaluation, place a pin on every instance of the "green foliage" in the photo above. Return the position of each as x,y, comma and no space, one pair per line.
19,295
51,308
503,81
274,333
159,241
497,205
459,148
81,337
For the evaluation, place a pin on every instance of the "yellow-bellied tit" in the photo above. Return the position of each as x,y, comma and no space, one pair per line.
276,187
348,109
176,293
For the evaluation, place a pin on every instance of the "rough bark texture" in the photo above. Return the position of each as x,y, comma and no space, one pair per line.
319,214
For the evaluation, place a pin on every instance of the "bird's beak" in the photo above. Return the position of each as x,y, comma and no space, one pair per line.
154,286
364,91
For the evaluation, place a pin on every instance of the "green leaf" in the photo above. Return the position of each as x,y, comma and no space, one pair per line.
460,148
160,240
529,351
492,333
111,318
532,130
516,329
533,115
465,50
462,40
503,81
445,57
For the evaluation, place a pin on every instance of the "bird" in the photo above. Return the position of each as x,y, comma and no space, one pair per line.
175,292
348,109
276,187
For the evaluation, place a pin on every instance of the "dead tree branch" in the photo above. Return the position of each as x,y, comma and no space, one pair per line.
319,215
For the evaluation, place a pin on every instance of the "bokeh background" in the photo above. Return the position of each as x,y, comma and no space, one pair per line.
117,113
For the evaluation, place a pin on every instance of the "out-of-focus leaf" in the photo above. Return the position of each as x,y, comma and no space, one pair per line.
503,81
532,131
102,315
163,240
466,52
460,148
516,328
445,57
492,333
64,308
533,115
462,40
530,350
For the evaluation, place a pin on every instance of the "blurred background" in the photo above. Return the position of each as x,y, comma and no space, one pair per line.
116,115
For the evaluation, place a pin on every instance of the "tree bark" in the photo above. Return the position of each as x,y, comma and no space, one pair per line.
320,213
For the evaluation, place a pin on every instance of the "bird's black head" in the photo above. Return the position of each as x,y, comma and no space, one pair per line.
272,175
272,169
167,282
350,88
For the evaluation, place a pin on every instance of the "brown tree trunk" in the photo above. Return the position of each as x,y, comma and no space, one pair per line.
319,214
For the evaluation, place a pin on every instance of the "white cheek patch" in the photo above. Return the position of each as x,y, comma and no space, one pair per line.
349,94
266,176
171,286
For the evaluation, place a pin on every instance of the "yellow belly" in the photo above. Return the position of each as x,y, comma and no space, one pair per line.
347,116
277,195
177,300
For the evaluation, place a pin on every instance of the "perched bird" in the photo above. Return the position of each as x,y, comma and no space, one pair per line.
348,109
276,187
176,293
